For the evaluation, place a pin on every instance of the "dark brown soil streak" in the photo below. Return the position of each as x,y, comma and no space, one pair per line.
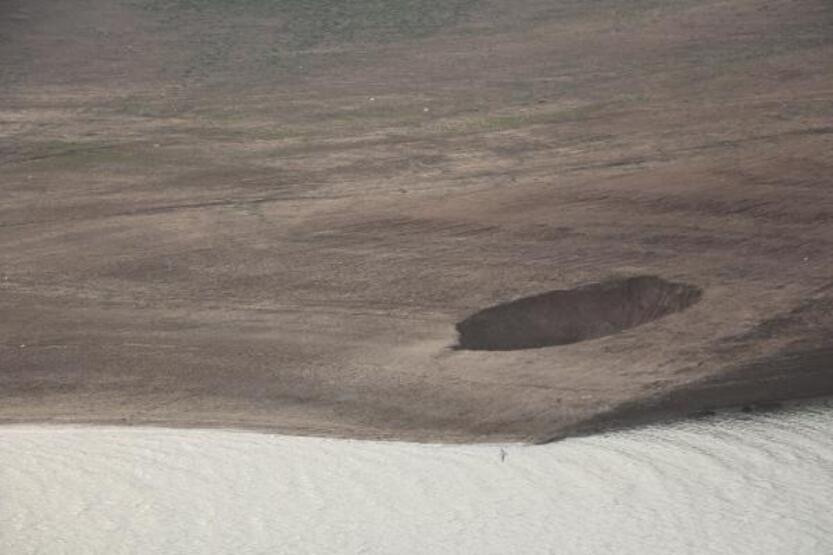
570,316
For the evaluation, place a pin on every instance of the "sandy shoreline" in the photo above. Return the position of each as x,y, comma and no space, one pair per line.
634,416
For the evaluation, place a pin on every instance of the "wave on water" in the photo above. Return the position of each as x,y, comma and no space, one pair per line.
760,483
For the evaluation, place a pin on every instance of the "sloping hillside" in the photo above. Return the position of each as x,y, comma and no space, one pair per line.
273,213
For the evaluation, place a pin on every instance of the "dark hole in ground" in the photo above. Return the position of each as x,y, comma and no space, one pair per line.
573,315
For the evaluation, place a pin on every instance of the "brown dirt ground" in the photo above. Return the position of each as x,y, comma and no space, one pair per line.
238,215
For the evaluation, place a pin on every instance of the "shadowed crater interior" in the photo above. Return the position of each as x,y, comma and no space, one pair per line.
573,315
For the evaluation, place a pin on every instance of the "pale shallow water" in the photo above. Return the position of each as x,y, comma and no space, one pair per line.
744,484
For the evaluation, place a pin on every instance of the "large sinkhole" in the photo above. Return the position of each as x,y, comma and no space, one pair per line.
572,315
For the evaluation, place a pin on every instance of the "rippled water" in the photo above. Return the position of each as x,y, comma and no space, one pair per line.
736,484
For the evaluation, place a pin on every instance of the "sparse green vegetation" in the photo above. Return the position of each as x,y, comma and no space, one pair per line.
311,22
288,29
